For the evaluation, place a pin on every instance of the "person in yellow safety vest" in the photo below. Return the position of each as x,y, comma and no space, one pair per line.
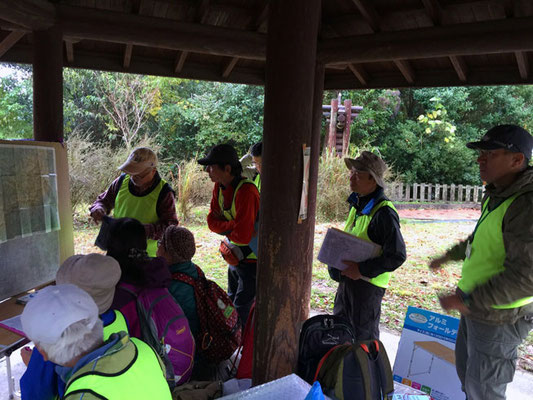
495,292
139,193
233,213
372,218
257,150
97,275
63,323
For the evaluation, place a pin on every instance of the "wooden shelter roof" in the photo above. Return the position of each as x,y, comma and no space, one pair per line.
363,43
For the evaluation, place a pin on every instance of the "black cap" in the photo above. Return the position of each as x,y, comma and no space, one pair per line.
509,137
220,154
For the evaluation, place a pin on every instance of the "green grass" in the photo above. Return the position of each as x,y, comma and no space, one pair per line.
411,285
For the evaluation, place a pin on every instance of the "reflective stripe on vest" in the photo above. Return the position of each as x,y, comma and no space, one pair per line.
487,253
142,208
230,214
357,225
118,325
133,372
257,181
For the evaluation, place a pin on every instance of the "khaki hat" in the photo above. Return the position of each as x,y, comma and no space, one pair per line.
139,161
95,273
54,309
370,163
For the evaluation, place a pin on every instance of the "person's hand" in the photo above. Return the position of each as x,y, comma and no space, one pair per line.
352,271
453,302
437,263
25,354
97,214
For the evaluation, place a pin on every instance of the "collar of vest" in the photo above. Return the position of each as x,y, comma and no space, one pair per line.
360,202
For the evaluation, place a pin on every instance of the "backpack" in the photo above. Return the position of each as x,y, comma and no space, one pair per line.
319,334
356,371
220,329
165,328
244,370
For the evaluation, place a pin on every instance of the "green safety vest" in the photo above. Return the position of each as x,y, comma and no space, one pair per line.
487,252
257,181
129,370
230,214
142,208
118,325
357,225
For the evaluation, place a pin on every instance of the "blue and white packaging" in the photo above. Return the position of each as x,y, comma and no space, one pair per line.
426,354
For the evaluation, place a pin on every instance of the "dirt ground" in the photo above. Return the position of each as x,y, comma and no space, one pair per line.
453,214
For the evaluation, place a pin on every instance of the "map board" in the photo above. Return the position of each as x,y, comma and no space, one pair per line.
35,214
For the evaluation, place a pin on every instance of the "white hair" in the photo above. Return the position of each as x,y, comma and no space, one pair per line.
76,340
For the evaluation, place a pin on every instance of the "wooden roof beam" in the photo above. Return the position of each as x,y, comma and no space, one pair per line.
202,11
369,14
123,28
69,49
434,11
9,41
180,61
523,64
127,56
406,69
460,67
229,67
507,35
359,73
31,14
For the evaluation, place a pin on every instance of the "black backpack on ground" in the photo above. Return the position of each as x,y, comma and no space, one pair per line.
319,334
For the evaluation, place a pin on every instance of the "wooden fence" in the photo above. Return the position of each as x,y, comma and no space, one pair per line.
426,192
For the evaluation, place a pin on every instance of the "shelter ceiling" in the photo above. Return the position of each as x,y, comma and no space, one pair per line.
364,43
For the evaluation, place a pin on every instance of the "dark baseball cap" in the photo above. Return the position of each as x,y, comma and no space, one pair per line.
220,154
509,137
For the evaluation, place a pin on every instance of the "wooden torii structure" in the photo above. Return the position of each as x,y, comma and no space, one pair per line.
296,49
339,118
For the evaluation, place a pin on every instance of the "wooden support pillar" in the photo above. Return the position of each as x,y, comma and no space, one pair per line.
48,85
293,108
348,123
332,133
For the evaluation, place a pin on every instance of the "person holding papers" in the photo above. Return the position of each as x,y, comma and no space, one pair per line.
372,217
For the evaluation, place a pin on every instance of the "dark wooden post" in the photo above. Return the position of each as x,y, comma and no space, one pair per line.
332,133
346,135
293,103
48,85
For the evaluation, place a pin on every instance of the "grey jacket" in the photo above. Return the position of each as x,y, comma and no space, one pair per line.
516,281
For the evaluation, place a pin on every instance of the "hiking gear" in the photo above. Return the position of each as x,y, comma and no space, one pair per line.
119,324
356,371
220,329
319,334
142,208
163,326
244,370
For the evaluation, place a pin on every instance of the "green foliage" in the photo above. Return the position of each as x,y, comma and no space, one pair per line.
16,106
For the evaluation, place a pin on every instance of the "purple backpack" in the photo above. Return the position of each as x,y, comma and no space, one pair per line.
164,326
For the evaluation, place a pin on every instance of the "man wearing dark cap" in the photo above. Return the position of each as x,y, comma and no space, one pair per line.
142,194
233,213
495,292
372,218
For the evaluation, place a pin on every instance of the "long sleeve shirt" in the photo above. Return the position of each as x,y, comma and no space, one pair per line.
241,228
165,208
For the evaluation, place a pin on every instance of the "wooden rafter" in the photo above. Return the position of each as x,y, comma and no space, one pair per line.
460,67
10,41
229,67
127,56
160,33
359,73
523,64
406,69
31,14
444,41
434,11
69,49
180,61
202,11
369,14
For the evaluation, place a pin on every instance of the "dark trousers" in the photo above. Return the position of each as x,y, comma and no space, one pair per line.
241,287
485,356
360,302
